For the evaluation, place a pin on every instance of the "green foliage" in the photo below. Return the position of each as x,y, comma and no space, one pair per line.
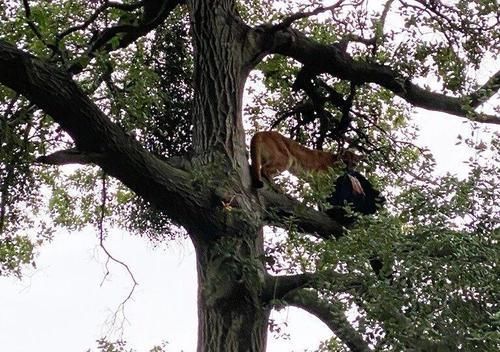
14,254
439,241
104,345
149,95
332,345
438,236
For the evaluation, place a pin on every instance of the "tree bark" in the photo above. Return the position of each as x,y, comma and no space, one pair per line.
231,313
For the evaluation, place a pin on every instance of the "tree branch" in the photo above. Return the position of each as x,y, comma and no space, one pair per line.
110,257
155,12
287,22
34,28
282,209
277,287
379,28
332,314
105,5
486,90
332,59
69,156
119,155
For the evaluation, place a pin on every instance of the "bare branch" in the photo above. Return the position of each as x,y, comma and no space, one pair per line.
69,156
287,22
330,313
100,225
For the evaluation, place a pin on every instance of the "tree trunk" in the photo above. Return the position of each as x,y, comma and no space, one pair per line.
231,316
231,273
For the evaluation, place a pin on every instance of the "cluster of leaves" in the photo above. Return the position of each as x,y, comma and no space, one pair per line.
151,96
23,132
438,241
437,237
14,254
104,345
147,87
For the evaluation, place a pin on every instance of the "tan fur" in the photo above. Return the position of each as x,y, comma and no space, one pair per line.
273,153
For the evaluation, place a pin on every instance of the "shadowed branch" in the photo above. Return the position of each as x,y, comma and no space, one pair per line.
330,313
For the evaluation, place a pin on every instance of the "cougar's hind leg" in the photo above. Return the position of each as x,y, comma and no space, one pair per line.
269,172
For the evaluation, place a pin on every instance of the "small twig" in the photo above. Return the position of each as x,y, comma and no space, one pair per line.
34,28
287,22
84,25
379,29
110,257
97,12
31,24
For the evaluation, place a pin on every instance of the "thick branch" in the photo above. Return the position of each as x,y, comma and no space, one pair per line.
119,155
277,287
281,210
69,156
334,60
331,314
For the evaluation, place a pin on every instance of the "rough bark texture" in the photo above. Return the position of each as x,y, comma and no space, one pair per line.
231,313
230,269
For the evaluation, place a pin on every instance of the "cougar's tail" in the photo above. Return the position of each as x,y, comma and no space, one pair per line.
255,155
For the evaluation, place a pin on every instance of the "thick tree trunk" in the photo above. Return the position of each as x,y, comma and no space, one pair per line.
218,82
231,273
231,315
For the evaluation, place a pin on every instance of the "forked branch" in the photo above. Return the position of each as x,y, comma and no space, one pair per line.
97,138
154,13
110,257
287,22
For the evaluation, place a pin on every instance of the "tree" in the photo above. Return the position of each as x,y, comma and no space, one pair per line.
151,93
